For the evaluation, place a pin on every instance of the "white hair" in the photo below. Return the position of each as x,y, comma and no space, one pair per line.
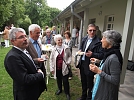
57,36
32,27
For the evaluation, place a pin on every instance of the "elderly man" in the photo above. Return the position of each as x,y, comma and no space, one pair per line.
28,81
34,47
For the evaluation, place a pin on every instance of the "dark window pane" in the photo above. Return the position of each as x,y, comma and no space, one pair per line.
109,26
109,19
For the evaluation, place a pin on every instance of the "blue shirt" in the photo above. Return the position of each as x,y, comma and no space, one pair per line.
37,47
88,43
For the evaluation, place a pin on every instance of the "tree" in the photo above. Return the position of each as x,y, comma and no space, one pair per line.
39,12
18,11
5,11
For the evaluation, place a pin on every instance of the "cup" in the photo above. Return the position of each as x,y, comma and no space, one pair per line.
92,62
43,57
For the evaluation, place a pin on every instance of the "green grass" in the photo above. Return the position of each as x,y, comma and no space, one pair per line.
6,84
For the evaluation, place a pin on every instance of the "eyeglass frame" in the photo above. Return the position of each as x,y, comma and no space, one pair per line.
22,37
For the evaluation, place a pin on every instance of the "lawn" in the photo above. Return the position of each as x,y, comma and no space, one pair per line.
6,84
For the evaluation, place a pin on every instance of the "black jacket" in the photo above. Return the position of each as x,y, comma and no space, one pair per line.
28,84
97,52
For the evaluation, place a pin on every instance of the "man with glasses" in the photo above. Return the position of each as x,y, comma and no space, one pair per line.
91,46
28,81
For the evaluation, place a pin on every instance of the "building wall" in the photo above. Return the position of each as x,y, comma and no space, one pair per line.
115,7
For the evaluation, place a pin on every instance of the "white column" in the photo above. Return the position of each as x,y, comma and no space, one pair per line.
131,53
86,21
71,23
127,36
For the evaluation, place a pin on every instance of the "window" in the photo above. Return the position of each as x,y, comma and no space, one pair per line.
92,21
110,22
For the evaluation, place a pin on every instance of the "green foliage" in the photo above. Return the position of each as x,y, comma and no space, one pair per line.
25,23
5,11
39,12
6,84
17,11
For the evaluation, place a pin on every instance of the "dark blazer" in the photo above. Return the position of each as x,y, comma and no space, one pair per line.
28,84
97,52
34,55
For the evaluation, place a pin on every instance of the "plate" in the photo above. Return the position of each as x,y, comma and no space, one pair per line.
80,53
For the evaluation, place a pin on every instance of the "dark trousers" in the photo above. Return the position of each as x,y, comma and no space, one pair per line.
87,83
61,78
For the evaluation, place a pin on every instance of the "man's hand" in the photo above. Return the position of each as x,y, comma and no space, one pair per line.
40,60
88,54
40,71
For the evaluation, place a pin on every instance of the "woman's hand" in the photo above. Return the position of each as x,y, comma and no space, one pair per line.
94,60
95,69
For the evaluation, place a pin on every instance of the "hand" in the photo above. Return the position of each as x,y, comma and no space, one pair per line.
40,71
95,69
89,53
93,60
40,60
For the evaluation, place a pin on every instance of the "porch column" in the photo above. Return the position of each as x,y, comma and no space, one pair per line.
86,21
127,36
71,23
131,53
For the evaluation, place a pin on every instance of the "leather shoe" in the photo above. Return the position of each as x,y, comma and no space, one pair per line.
58,92
68,97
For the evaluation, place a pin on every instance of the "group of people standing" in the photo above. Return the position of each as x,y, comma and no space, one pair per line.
103,58
28,71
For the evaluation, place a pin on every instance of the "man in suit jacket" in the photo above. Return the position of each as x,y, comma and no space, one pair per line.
28,81
34,47
91,45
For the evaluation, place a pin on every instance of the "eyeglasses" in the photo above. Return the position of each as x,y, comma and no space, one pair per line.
92,30
22,37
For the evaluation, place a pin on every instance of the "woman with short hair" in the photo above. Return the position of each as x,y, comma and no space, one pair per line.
108,74
60,59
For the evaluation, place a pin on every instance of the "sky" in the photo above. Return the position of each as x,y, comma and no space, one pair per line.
60,4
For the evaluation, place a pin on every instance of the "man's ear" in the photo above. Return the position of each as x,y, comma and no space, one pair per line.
12,41
30,32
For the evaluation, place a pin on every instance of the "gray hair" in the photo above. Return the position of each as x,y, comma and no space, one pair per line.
113,37
12,34
57,36
32,27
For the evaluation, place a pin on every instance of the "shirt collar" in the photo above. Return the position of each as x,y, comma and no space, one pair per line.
89,38
18,48
32,40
